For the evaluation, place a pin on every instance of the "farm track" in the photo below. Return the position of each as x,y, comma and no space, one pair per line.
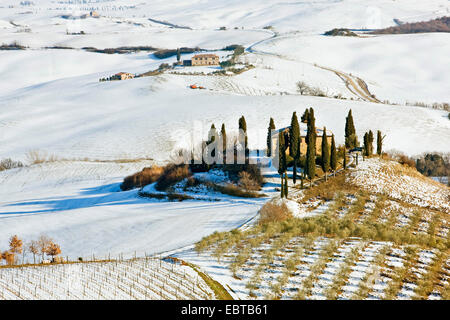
355,85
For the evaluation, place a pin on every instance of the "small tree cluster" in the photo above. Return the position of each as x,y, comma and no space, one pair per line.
42,246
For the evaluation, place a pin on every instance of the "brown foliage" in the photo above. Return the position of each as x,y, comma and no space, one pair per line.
406,161
140,179
15,244
171,175
9,257
327,190
236,191
234,170
436,25
246,181
53,249
272,212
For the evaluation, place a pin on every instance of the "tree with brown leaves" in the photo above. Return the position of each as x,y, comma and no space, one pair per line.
53,250
9,257
15,244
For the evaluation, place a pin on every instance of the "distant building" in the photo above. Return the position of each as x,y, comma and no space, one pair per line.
94,14
303,144
205,60
123,76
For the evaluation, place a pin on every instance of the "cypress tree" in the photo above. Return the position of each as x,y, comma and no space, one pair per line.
305,116
311,150
366,144
350,132
370,141
223,134
379,143
325,153
243,127
294,148
282,153
178,55
269,137
333,155
282,161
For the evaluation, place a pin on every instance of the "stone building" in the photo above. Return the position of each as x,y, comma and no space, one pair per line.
205,60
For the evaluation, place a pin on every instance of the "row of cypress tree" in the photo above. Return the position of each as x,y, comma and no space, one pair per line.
329,158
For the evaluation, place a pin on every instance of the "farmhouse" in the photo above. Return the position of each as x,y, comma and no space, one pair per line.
303,145
205,60
123,76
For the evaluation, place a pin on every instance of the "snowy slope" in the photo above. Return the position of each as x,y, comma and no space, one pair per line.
52,101
152,117
398,68
309,15
79,204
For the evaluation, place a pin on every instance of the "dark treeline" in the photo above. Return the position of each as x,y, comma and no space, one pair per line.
436,25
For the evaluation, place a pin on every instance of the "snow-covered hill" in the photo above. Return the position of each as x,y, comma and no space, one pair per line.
51,101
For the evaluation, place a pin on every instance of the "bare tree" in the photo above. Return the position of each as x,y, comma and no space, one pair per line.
43,244
302,87
33,247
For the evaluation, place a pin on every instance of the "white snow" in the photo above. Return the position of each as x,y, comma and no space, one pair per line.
80,206
390,178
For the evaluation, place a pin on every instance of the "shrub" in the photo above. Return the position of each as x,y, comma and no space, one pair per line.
327,190
233,171
341,32
6,164
434,165
246,181
167,53
171,175
406,161
236,191
9,257
140,179
272,212
304,89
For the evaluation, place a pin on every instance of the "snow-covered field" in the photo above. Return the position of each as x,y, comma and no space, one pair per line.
138,279
287,266
80,205
401,183
52,103
397,68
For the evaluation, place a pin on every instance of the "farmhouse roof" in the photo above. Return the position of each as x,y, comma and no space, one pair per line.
206,55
